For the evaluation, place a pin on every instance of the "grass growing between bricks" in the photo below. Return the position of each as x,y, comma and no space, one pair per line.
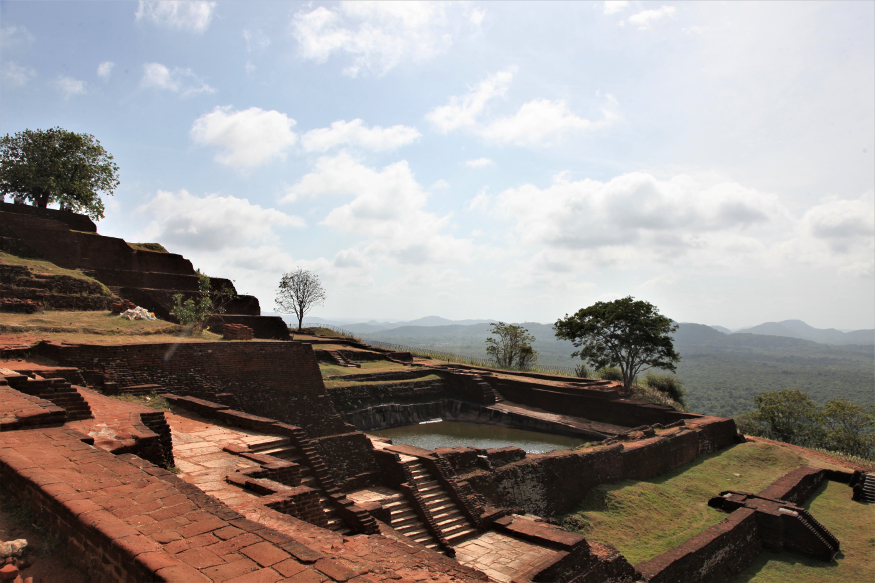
852,523
647,518
20,515
153,401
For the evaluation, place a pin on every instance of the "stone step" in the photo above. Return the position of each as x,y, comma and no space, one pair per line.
449,520
460,536
455,531
434,495
260,447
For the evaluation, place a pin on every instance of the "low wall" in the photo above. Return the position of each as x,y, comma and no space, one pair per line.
587,403
540,483
712,556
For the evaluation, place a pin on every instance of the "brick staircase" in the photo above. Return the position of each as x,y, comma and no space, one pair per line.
450,522
58,391
282,448
869,488
405,521
341,359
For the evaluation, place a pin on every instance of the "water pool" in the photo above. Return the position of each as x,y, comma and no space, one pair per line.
431,435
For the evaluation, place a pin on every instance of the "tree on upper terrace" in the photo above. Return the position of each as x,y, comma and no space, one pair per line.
512,348
54,165
791,416
299,291
627,334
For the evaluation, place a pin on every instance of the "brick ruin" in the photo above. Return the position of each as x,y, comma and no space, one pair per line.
279,480
147,278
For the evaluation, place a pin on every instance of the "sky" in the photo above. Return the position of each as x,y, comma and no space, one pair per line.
508,160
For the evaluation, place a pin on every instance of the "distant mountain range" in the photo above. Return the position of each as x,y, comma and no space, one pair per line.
801,330
426,326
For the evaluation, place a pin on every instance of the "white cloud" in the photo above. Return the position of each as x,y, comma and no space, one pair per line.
247,138
439,185
355,133
70,86
256,41
15,75
479,163
644,19
538,122
212,222
104,70
13,34
387,210
636,213
463,111
178,80
614,6
380,35
542,120
191,15
843,224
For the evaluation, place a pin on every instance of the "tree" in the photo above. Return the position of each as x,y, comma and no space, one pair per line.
46,166
512,348
786,415
625,333
298,292
195,311
849,428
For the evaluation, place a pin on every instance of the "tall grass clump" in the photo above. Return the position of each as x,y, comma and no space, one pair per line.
668,384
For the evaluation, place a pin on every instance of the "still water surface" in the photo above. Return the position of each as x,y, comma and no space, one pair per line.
460,434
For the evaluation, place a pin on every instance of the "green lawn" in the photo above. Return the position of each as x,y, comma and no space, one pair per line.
851,522
367,367
647,518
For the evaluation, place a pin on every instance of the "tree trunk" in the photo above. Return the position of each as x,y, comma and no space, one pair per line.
300,319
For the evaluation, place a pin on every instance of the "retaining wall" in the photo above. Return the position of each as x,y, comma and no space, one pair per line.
557,482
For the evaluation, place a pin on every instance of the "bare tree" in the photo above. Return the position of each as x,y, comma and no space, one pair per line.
298,292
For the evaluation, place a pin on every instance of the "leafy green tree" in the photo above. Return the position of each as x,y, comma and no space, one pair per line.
512,348
195,311
54,165
849,428
624,333
299,291
788,415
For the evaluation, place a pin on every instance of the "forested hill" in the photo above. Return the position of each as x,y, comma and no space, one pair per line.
722,372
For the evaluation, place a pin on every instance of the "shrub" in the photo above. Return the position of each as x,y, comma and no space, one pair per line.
666,383
581,371
609,373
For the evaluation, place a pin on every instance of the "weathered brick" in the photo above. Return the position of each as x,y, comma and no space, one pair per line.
265,554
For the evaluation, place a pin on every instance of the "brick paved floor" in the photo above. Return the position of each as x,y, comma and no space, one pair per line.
500,557
197,448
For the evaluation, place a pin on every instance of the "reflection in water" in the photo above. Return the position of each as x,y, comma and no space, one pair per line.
430,435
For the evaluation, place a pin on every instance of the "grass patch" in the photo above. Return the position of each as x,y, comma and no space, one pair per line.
336,384
20,515
850,522
153,401
647,518
157,247
86,322
375,366
49,268
95,328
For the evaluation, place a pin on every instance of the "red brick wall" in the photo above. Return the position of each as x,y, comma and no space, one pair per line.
280,380
713,556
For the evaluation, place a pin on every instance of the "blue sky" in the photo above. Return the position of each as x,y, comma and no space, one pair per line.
514,161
